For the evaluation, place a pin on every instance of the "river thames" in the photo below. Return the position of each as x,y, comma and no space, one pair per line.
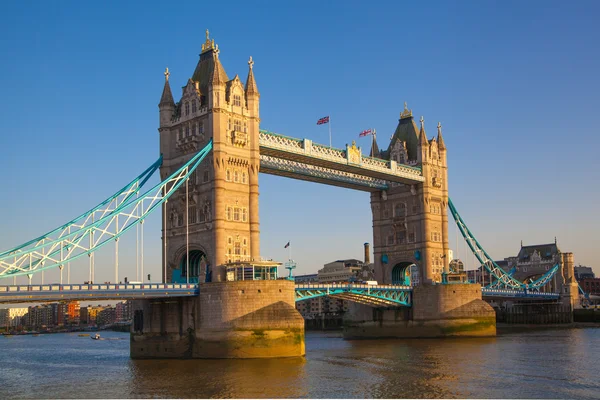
535,364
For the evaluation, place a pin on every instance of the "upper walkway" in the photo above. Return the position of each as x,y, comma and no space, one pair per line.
305,160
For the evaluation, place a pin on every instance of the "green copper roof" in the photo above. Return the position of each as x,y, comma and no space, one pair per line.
407,132
204,71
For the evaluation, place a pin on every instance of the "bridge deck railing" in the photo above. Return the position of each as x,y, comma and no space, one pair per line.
82,287
306,147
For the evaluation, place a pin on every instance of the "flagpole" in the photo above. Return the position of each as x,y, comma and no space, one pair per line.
290,251
329,123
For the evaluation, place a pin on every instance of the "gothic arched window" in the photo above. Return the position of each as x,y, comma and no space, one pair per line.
400,210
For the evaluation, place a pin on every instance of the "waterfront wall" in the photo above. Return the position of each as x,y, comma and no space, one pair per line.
437,311
243,319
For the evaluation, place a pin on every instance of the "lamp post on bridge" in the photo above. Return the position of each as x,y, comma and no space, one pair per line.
290,265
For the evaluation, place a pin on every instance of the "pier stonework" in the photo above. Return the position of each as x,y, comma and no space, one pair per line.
438,311
243,319
213,224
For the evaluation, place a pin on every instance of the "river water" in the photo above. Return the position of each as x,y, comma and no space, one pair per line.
535,364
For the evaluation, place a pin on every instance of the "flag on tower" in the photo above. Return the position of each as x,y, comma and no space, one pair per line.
287,245
324,120
366,132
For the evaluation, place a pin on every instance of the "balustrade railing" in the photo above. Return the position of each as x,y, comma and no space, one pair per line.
307,147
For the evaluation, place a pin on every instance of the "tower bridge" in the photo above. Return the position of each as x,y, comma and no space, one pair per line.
218,297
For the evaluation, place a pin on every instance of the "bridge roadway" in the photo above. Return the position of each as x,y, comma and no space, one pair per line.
373,295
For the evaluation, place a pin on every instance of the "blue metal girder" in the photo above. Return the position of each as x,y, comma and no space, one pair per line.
73,245
503,279
372,295
524,294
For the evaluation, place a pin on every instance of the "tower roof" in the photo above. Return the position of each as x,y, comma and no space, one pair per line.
209,69
167,96
250,83
407,132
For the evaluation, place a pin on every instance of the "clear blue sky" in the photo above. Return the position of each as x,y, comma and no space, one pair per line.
515,85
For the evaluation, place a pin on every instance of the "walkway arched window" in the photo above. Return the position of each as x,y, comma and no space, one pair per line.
400,210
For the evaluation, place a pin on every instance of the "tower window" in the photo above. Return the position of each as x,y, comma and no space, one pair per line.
193,106
236,176
237,248
237,100
244,177
187,131
228,214
237,125
228,175
201,127
187,108
400,210
205,176
192,215
244,215
236,214
245,127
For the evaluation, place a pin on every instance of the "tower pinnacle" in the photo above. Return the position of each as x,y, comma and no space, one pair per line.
209,44
250,82
167,73
440,139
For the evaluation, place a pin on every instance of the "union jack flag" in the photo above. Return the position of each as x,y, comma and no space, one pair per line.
324,120
365,133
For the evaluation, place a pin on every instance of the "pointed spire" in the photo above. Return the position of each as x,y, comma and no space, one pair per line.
250,83
422,135
374,148
218,76
167,96
440,139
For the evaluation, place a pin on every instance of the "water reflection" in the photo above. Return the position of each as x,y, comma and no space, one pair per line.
532,364
258,378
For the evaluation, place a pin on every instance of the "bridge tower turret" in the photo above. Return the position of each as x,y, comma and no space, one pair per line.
410,222
223,224
167,105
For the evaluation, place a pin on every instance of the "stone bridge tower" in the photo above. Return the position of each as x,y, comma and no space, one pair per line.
410,222
222,199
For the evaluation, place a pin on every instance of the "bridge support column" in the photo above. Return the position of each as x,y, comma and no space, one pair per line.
243,319
437,311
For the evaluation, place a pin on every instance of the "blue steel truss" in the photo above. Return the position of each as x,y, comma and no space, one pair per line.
131,189
113,223
377,296
503,279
